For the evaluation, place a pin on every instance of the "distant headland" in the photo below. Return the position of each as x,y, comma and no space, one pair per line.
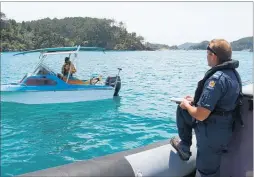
243,44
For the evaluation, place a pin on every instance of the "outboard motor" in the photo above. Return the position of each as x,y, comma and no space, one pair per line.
114,82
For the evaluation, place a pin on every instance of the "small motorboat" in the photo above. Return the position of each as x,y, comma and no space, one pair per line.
44,86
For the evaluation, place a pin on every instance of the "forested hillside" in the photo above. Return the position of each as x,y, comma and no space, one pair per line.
67,32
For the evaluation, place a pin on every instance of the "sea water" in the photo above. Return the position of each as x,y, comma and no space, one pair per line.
35,137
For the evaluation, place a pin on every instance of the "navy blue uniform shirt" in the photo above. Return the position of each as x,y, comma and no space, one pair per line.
221,90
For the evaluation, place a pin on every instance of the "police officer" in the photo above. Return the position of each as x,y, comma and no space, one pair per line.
211,111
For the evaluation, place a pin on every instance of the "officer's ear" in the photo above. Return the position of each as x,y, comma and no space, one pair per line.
215,59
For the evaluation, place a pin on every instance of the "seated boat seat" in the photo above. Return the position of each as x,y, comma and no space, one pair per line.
74,81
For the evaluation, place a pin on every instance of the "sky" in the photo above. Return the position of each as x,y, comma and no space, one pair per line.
171,23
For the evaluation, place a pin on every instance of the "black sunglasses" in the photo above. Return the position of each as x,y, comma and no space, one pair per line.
211,50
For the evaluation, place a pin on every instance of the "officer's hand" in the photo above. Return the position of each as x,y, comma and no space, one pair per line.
189,98
184,103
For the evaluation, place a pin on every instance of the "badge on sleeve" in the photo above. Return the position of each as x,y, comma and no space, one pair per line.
212,83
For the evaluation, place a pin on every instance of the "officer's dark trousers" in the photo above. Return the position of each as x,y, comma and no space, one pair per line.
212,138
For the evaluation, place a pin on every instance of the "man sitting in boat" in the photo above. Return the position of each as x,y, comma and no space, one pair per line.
67,66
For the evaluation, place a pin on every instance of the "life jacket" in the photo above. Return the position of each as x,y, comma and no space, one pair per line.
236,113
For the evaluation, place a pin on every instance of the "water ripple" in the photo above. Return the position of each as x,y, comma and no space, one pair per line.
35,137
